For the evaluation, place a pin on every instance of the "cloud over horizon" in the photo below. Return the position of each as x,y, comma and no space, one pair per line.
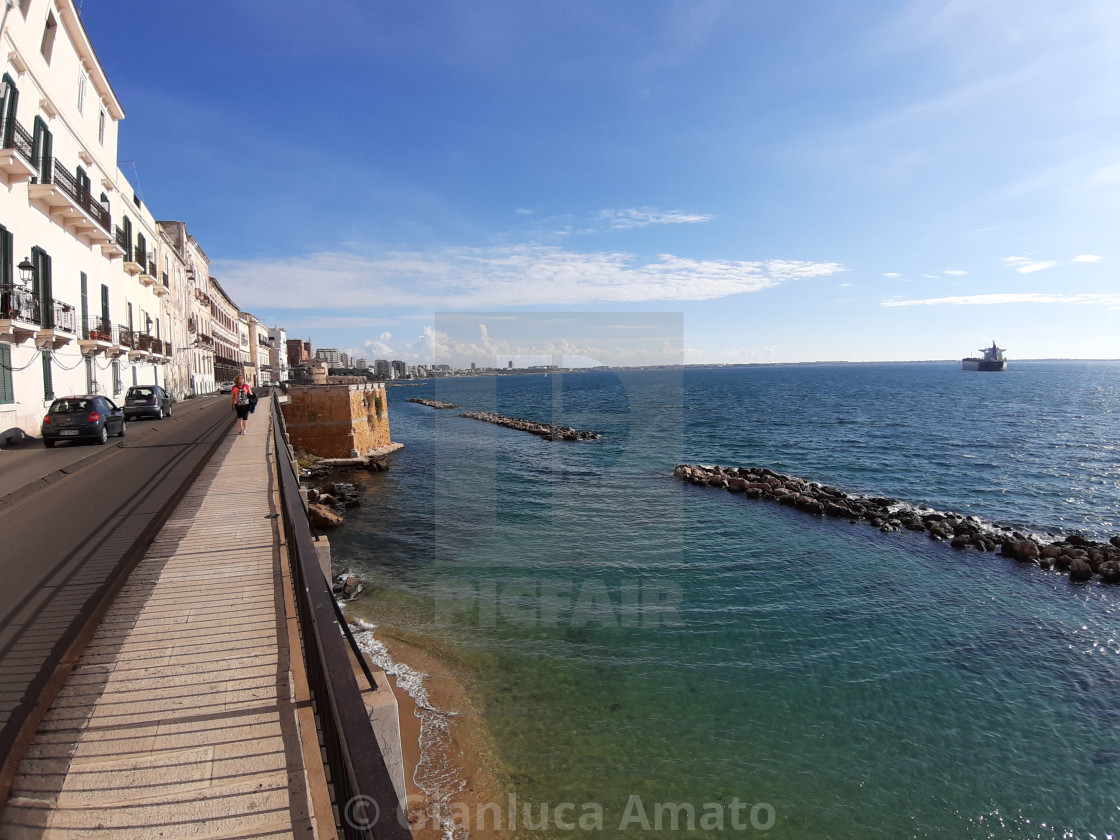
1010,297
498,277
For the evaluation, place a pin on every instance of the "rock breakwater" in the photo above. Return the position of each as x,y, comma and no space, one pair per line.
1080,557
432,403
545,430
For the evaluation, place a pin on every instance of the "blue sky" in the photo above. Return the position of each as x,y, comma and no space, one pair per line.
798,180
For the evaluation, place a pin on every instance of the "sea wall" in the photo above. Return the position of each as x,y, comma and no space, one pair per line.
337,421
1080,557
545,430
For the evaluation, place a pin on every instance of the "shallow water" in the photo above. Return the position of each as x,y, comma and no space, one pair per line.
640,641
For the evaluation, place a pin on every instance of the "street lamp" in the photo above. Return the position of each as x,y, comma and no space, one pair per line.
26,271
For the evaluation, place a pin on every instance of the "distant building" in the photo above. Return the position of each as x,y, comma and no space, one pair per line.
278,355
382,368
510,364
331,355
400,369
361,364
299,352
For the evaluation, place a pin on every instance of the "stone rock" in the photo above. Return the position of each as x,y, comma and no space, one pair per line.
1080,570
1110,571
1050,551
1046,562
961,541
323,517
1115,541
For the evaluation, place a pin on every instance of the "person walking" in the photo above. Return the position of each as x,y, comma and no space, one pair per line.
239,397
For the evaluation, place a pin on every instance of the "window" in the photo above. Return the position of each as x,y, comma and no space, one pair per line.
48,38
116,376
6,257
101,127
41,150
43,286
82,80
7,395
8,111
127,228
142,251
48,378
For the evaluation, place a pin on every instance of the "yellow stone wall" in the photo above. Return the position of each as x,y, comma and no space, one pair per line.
335,421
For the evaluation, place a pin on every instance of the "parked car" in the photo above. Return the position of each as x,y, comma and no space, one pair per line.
225,387
146,401
85,417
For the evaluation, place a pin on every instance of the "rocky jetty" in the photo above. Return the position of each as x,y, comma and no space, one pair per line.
545,430
432,403
1080,557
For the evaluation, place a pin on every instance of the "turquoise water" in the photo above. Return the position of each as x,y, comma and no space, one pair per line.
636,639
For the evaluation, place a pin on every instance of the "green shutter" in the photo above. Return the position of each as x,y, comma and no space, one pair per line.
7,395
48,377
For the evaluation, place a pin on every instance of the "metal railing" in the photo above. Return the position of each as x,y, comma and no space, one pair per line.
17,303
60,176
121,238
363,790
98,329
65,318
17,137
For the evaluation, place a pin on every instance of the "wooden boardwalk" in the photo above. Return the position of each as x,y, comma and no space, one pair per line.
178,721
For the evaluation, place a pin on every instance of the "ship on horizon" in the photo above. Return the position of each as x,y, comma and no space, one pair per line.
993,359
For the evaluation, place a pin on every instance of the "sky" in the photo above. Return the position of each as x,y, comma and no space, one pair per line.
774,181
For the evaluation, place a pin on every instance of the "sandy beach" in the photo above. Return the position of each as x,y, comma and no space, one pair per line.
461,762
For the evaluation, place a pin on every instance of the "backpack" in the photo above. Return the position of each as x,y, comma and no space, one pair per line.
243,395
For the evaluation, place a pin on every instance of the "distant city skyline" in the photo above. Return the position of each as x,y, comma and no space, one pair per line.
872,181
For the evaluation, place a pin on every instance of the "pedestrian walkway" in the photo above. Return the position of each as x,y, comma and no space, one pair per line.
178,720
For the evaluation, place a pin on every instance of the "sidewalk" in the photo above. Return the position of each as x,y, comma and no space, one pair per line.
178,721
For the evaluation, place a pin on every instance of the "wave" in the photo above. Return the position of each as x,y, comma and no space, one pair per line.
435,774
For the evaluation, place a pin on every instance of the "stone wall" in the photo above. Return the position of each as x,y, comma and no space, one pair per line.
337,421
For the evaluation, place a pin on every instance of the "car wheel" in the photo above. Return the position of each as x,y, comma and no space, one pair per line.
169,411
102,436
159,413
48,443
121,432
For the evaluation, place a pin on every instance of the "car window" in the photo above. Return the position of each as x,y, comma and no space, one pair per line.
110,405
70,406
139,392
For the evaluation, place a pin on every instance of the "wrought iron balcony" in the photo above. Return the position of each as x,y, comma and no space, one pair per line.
70,203
117,246
15,153
17,303
98,329
206,341
126,337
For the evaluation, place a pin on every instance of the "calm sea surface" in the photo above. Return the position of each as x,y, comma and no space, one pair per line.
636,641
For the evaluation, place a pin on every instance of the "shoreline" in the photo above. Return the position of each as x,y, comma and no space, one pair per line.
449,753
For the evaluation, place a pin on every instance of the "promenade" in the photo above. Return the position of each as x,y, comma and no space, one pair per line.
178,720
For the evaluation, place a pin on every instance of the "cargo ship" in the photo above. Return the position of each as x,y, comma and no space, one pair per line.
993,359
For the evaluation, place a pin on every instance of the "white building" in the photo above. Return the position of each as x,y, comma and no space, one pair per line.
278,354
79,310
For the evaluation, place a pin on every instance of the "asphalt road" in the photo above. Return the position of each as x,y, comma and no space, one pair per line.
73,522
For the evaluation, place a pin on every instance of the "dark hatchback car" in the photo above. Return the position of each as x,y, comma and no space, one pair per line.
146,401
87,417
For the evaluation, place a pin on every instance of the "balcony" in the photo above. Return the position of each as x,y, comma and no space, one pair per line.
15,156
62,329
118,247
20,314
70,204
97,338
205,341
163,288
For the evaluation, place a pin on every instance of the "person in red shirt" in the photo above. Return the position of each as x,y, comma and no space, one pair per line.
239,398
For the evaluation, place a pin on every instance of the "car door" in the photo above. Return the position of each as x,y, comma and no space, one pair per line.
114,416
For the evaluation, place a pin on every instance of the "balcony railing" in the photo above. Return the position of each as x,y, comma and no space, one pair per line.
17,303
65,318
53,173
98,329
126,337
152,268
121,239
15,136
206,341
144,341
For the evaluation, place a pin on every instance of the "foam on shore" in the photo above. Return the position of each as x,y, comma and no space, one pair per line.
435,774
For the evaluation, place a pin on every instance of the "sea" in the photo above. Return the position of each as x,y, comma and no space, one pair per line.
657,659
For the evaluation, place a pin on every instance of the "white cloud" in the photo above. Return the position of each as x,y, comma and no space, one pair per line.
378,348
1087,258
956,273
892,275
1025,265
385,336
1010,297
478,278
1106,176
643,216
931,277
523,211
